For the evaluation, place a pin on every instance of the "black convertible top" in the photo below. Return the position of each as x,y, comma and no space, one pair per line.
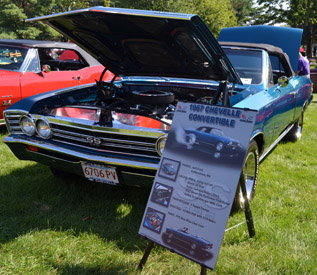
270,48
50,44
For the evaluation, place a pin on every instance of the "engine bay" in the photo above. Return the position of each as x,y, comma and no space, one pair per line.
132,102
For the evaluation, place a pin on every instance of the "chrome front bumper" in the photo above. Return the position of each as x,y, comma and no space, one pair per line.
69,160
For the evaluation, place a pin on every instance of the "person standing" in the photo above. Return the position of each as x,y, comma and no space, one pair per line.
303,68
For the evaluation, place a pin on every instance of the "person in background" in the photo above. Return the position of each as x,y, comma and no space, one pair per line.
303,68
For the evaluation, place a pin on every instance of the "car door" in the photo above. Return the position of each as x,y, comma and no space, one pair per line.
283,106
35,83
73,60
11,62
302,89
36,80
284,98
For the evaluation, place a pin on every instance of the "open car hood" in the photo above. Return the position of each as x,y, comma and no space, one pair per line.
146,43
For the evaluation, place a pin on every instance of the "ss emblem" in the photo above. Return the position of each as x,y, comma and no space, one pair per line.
93,141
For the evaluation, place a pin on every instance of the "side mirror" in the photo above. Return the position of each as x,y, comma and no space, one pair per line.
46,68
282,81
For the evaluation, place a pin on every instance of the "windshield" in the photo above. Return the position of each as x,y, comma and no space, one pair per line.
248,64
209,130
11,58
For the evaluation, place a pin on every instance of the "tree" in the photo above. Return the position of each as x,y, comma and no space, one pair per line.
303,14
270,12
244,10
14,12
216,14
12,22
295,13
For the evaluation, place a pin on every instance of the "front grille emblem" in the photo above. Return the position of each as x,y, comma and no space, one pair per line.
93,141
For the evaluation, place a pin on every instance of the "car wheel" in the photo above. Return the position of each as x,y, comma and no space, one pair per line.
219,146
217,155
296,132
249,174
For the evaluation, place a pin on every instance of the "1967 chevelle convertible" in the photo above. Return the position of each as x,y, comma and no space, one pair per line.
115,131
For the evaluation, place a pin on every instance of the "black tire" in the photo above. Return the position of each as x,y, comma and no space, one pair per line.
249,173
296,132
148,97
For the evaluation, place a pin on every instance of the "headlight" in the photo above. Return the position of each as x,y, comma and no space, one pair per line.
43,128
27,125
160,144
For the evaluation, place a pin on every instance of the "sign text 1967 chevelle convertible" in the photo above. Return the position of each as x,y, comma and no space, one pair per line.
115,131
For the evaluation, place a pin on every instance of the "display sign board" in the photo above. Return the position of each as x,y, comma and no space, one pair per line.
191,197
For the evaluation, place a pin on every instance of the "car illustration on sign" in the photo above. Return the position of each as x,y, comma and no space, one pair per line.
194,246
159,59
209,140
168,168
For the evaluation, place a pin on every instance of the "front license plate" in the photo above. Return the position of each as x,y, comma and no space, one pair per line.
100,173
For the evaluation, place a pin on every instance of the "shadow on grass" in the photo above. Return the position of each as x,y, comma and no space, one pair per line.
31,198
68,270
3,130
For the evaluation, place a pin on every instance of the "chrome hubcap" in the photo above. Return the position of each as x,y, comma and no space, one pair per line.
249,172
299,128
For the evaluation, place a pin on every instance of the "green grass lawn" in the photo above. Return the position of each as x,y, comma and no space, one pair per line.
54,226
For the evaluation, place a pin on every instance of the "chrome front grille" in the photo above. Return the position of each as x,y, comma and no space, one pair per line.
106,141
130,143
12,120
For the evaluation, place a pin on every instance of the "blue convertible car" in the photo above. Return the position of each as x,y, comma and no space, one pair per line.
115,131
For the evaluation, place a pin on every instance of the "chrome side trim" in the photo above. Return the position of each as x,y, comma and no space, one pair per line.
268,150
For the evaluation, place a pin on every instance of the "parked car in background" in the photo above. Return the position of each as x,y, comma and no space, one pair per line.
29,67
160,58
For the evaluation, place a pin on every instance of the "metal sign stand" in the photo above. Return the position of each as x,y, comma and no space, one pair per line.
222,90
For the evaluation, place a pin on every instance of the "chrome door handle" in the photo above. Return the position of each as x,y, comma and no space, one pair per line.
293,94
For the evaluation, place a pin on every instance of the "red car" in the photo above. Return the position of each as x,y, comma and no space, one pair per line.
29,67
